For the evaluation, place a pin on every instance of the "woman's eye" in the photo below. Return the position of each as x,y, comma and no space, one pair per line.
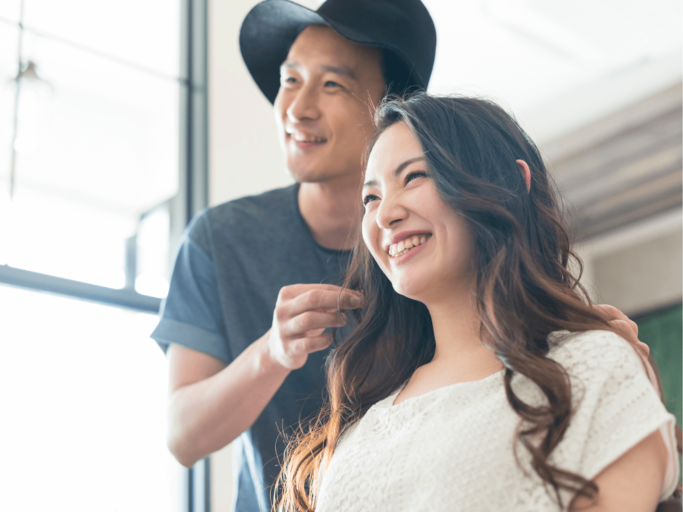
368,199
417,174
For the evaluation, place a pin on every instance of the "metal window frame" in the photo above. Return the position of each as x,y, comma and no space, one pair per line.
194,165
192,196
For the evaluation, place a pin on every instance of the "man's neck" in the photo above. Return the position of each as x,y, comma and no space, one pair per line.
331,211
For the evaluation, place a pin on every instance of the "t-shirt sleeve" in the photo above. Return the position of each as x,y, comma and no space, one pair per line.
191,315
616,406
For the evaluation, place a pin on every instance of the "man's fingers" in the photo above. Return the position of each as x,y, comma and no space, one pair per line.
299,325
322,300
313,344
610,312
613,315
314,332
625,330
294,290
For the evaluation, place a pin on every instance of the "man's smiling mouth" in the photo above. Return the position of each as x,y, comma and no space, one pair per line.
305,137
399,249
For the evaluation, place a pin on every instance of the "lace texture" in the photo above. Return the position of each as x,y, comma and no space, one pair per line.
452,449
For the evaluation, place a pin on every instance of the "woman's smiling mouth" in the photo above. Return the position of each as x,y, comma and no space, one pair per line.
398,249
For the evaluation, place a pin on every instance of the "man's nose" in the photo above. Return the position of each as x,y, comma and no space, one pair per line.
390,212
304,106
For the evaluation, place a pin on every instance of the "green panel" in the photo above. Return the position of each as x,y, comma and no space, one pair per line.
663,332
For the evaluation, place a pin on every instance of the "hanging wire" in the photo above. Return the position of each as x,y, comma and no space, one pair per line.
15,122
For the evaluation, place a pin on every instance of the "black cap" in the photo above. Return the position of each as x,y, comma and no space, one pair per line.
402,29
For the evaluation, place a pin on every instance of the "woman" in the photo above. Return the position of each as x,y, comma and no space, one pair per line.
478,376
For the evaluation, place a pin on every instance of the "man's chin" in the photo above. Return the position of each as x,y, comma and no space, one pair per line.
310,175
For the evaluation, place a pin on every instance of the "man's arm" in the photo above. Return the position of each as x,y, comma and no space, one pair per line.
210,404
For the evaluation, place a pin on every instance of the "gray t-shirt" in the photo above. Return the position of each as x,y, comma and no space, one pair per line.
233,261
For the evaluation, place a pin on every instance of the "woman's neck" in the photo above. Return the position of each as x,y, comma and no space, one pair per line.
460,355
457,332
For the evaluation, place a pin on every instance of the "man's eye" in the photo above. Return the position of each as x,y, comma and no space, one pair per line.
330,83
289,79
417,174
369,198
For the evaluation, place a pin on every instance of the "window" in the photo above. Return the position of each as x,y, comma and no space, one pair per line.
83,408
95,144
102,164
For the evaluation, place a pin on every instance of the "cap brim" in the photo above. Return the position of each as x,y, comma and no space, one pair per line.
266,36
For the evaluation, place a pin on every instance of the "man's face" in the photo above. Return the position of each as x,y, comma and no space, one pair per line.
324,107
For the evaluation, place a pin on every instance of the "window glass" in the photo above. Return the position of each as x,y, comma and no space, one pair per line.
83,406
153,253
10,10
96,150
145,33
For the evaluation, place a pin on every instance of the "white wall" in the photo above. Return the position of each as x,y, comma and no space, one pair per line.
638,268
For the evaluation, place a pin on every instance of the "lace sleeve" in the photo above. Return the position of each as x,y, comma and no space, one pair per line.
616,405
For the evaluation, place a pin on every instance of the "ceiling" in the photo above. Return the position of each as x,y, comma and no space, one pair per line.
556,65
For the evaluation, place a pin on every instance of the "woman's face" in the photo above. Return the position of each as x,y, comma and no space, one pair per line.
419,242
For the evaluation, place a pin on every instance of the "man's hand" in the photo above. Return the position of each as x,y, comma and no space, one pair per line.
625,327
628,329
302,313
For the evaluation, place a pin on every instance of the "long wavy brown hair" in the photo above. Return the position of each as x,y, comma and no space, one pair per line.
525,289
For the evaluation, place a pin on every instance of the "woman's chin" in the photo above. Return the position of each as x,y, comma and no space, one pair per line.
412,291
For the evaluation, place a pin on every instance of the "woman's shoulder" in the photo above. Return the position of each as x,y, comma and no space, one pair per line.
597,357
603,347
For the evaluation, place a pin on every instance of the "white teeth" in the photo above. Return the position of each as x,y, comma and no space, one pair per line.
402,247
306,138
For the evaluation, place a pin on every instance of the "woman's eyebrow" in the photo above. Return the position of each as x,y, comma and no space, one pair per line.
405,164
397,171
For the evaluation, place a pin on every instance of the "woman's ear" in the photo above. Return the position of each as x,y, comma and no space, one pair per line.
526,173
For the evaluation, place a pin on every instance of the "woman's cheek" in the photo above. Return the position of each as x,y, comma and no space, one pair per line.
371,236
366,232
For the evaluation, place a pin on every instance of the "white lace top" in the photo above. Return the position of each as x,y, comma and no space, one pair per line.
452,449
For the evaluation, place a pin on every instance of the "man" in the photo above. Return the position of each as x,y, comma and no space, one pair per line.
254,287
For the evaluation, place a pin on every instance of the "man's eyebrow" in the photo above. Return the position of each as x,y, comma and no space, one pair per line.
397,171
338,70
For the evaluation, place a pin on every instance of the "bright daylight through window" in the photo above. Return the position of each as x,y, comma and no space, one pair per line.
92,202
89,138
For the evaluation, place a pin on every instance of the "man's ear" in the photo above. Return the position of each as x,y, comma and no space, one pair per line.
526,173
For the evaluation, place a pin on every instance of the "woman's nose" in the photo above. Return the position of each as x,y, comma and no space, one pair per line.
390,212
